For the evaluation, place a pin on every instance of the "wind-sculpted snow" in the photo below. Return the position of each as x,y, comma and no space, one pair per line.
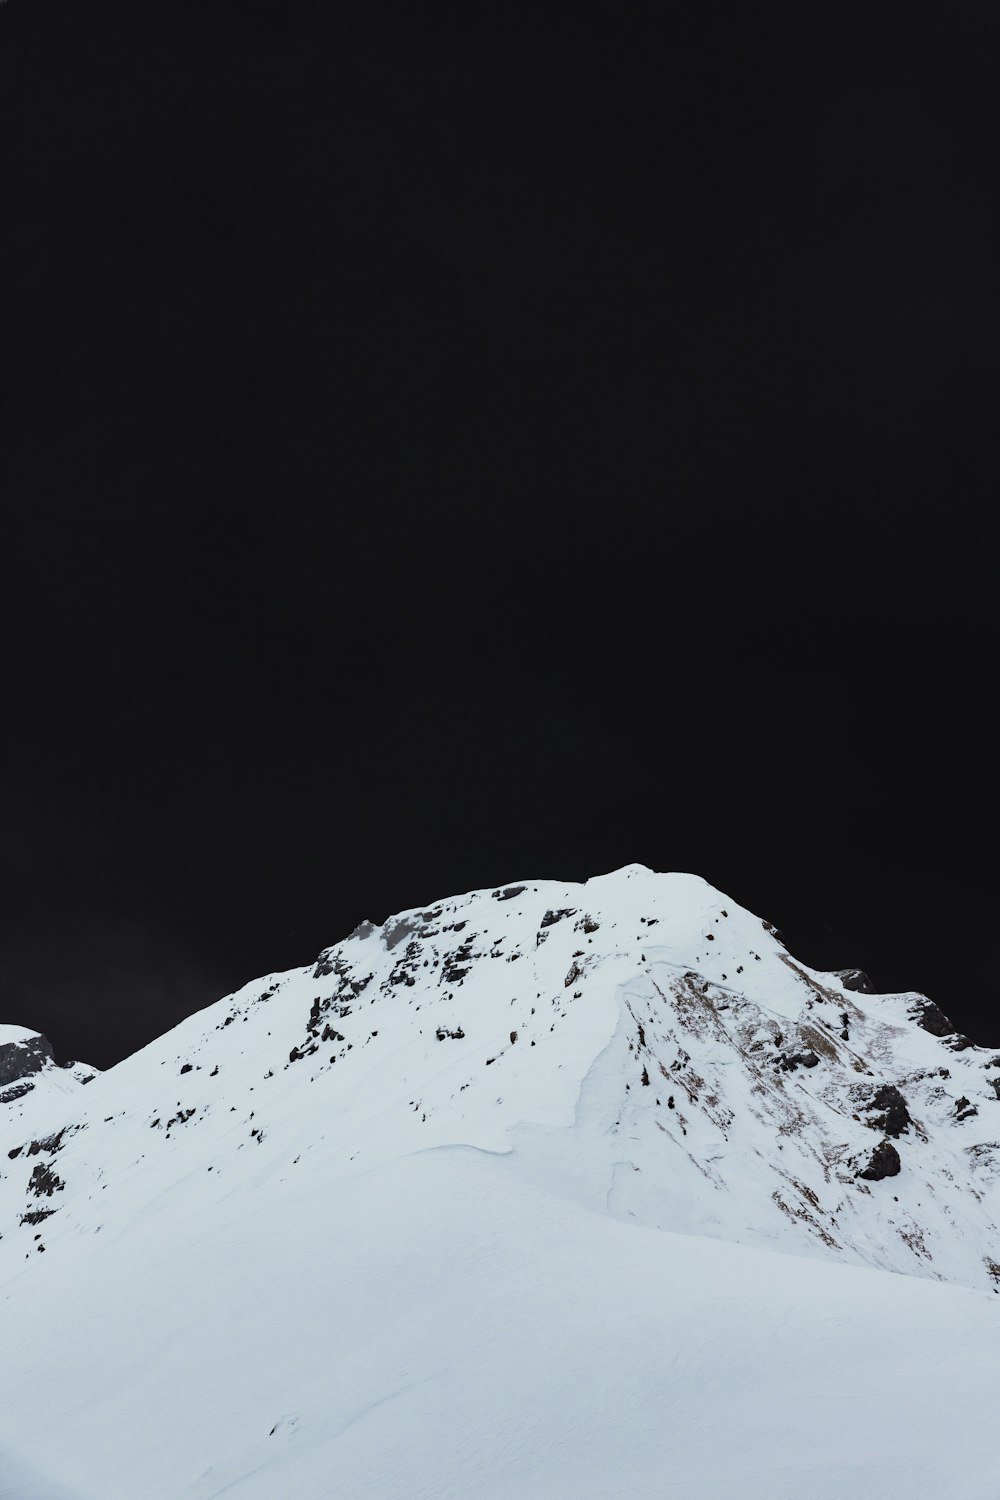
636,1052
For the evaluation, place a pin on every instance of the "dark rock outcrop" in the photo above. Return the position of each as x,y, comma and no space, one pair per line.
20,1060
44,1181
395,932
324,965
856,980
788,1061
930,1017
884,1163
37,1216
895,1116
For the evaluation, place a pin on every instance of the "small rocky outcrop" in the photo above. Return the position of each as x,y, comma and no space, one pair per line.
856,980
37,1216
44,1181
23,1059
895,1116
788,1061
884,1163
552,917
929,1017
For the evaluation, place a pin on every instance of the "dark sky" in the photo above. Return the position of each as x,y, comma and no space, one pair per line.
437,450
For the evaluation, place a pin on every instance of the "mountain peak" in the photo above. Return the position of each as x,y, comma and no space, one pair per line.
531,1120
637,1039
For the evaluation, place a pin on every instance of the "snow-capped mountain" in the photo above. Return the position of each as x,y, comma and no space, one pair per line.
408,1220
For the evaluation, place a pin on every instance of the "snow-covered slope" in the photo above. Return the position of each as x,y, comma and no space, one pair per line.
442,1214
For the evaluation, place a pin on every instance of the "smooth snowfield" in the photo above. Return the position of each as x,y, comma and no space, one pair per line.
22,1481
439,1328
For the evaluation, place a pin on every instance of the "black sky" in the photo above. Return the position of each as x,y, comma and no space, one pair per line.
439,450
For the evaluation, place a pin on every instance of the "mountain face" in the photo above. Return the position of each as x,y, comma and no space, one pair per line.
542,1086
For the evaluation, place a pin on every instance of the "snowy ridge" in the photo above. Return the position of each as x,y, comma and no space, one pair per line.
595,1078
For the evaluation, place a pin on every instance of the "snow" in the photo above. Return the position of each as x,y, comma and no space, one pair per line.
485,1267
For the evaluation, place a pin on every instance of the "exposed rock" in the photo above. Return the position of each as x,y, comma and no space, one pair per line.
20,1060
44,1181
444,1034
457,965
37,1215
403,927
51,1143
789,1060
856,980
964,1110
884,1163
18,1090
509,892
551,917
931,1018
895,1117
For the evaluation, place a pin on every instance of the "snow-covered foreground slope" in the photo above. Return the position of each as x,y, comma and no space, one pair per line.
469,1207
439,1327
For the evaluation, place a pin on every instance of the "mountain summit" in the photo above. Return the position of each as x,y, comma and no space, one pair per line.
241,1259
